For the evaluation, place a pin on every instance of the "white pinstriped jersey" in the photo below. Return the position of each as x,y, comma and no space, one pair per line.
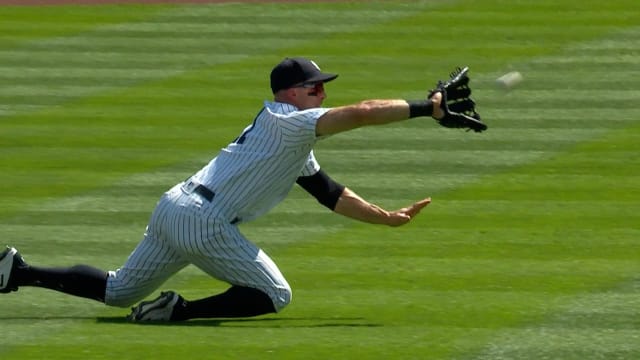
249,177
258,169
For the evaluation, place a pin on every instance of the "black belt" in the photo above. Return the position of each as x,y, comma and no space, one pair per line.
204,192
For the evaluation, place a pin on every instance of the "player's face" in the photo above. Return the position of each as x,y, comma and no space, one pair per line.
310,95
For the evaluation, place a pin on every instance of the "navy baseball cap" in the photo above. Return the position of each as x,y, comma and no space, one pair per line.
297,70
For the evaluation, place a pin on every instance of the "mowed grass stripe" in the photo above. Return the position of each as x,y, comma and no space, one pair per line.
589,317
17,27
76,210
67,76
136,54
135,200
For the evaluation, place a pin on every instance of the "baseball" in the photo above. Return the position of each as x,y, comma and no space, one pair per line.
509,80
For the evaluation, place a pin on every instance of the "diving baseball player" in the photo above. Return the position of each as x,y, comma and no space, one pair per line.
196,221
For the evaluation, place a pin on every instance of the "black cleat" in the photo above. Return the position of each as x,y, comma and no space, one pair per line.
159,309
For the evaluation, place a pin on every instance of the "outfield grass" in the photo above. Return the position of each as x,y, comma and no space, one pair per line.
530,249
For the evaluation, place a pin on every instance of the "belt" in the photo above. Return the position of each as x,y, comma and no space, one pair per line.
192,186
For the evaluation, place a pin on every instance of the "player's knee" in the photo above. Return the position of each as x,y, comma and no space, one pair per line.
119,295
120,301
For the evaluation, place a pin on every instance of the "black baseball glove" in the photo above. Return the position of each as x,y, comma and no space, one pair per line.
458,107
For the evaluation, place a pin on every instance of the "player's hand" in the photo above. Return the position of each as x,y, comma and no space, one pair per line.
438,113
406,214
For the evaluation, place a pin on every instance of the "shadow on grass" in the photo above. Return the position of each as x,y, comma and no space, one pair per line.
45,318
253,323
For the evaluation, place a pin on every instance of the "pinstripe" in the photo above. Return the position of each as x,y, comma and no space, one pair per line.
249,177
256,175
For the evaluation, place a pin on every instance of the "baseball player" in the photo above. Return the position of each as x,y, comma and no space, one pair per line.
196,221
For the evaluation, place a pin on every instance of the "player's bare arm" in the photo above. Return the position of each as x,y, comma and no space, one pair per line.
372,112
353,206
345,201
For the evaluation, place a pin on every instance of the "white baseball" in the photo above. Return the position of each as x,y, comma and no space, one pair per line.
509,80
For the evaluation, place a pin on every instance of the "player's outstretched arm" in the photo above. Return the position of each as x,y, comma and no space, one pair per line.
353,206
375,112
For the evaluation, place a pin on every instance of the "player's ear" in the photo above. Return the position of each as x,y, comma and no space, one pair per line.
285,95
292,93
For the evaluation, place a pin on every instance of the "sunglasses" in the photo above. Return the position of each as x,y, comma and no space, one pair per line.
318,87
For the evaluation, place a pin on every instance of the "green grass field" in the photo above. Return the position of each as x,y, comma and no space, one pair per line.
530,249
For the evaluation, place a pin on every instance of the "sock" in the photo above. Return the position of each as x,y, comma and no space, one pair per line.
238,301
80,280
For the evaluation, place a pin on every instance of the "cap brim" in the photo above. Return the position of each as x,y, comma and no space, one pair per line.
321,78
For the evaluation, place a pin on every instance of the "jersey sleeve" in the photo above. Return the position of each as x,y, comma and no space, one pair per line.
300,126
311,166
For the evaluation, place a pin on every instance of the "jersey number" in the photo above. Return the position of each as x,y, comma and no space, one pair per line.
240,139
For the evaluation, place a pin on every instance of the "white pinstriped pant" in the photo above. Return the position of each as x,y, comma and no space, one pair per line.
182,232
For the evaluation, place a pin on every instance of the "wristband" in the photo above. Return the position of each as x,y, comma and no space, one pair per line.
420,108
